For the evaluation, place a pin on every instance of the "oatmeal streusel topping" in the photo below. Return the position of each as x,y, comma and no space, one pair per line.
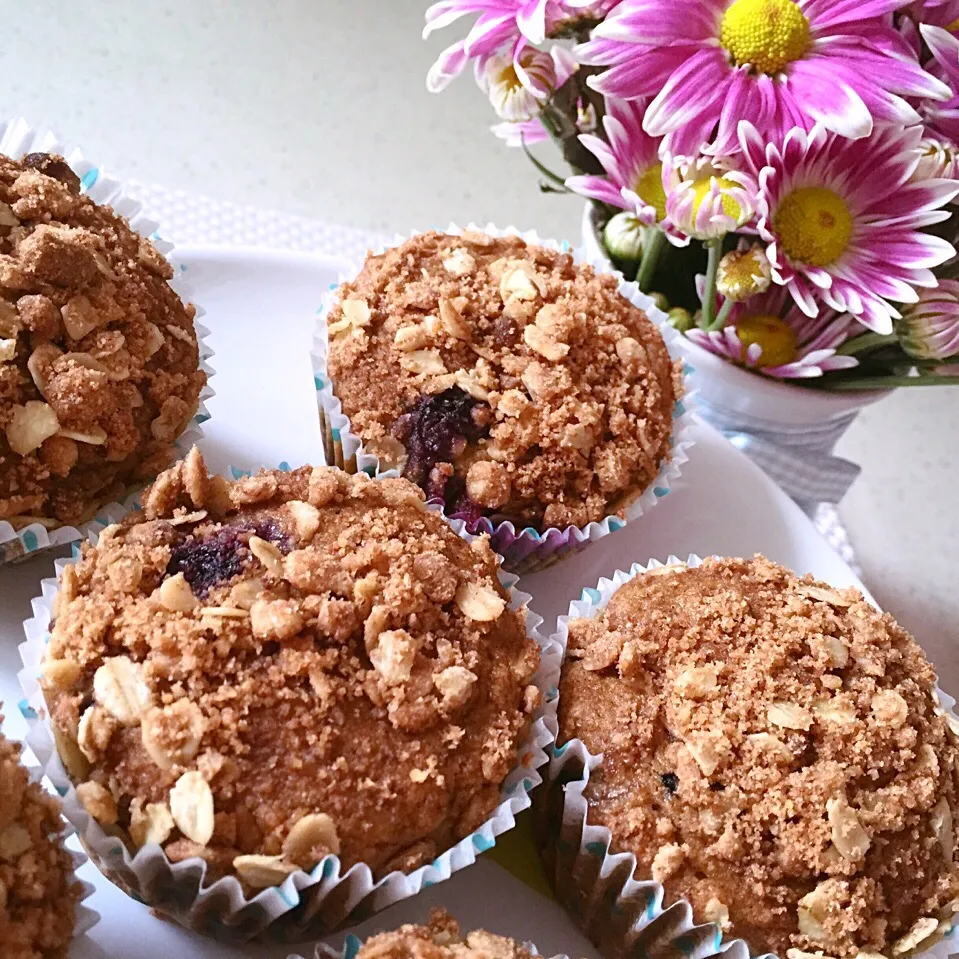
440,939
266,671
774,753
503,378
98,356
38,893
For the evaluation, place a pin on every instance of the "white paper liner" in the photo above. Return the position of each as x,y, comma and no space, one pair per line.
523,550
17,138
620,914
306,905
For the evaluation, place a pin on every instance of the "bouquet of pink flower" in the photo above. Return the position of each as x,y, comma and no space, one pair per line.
779,173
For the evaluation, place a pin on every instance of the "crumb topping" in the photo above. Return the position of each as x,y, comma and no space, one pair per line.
38,894
774,753
503,378
98,356
292,664
440,939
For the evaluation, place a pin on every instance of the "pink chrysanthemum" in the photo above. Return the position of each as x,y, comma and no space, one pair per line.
929,329
708,197
942,119
759,336
777,63
517,98
630,157
842,220
501,23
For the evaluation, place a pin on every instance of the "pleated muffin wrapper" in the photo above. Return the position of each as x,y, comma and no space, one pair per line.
23,539
306,905
621,915
524,550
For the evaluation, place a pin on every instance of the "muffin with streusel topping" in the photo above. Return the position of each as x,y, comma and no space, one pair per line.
440,938
260,673
38,891
503,378
773,752
99,363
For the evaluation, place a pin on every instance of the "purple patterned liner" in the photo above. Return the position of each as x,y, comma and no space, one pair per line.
307,904
523,550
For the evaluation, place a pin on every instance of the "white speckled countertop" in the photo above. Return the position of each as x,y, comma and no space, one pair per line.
318,108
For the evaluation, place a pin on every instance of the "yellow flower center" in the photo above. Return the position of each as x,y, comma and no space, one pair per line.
814,225
766,34
954,26
649,188
702,187
777,338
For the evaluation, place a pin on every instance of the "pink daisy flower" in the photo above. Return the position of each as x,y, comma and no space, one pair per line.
630,157
516,97
841,220
942,119
792,346
501,23
708,197
778,63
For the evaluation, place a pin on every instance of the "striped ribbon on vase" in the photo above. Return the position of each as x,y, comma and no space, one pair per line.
797,457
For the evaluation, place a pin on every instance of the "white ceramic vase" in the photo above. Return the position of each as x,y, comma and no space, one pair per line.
790,431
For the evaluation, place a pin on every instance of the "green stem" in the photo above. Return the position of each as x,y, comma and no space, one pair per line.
652,250
722,315
545,170
715,248
886,382
866,341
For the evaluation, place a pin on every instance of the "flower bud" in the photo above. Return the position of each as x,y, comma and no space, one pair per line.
623,237
744,273
681,319
708,197
929,329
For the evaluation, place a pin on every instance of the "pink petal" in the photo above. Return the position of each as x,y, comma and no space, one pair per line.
597,188
828,13
833,104
449,64
694,89
655,23
531,20
488,34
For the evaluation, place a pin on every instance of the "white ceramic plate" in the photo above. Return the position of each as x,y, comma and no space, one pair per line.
260,307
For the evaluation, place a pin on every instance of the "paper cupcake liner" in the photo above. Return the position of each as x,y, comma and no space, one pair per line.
308,904
621,915
17,138
523,550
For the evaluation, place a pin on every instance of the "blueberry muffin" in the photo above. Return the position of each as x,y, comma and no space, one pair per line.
773,752
441,939
503,379
99,365
38,892
294,664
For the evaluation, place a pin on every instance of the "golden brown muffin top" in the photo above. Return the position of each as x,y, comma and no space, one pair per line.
440,939
98,355
38,892
293,664
503,378
773,751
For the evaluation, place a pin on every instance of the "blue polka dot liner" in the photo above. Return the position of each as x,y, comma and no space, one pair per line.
307,905
25,537
523,550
